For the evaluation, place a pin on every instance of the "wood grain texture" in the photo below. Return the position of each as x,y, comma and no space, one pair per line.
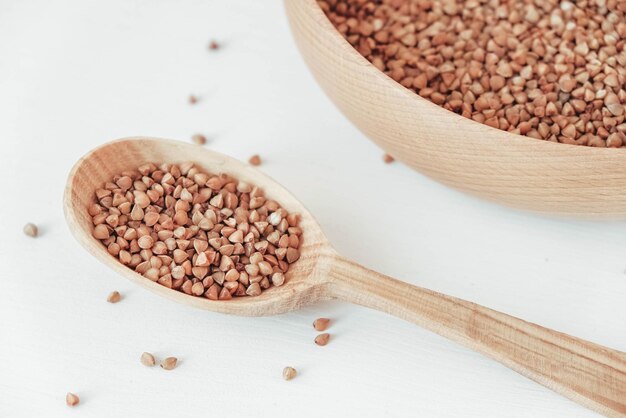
511,169
589,374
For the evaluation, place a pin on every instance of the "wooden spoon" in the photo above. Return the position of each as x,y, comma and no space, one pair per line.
587,373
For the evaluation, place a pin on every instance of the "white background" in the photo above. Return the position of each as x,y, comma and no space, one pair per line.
76,74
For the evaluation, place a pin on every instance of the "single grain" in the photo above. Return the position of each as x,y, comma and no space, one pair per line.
147,359
31,230
289,373
114,297
198,139
71,399
322,339
169,363
255,160
321,324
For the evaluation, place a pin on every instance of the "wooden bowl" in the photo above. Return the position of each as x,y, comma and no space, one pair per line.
511,169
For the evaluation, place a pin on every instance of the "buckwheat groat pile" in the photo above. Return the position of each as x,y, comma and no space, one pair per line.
552,70
202,234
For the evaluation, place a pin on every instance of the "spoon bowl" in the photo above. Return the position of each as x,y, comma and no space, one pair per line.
587,373
304,280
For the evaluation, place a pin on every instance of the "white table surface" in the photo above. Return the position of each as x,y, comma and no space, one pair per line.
74,74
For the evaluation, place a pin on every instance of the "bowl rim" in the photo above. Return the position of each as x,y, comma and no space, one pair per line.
353,54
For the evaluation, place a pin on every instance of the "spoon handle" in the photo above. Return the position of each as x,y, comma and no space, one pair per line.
589,374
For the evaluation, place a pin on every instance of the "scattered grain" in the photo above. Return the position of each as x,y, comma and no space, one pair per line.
199,139
147,359
114,297
255,160
71,399
289,373
388,159
322,339
31,230
321,324
169,363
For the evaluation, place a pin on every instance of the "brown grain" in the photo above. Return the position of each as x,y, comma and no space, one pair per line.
147,359
321,324
255,160
71,399
322,339
31,230
169,363
289,373
201,234
553,71
114,297
198,139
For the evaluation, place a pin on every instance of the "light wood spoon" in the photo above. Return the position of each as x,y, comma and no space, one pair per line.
592,375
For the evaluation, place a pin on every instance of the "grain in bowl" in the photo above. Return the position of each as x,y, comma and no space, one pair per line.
550,70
